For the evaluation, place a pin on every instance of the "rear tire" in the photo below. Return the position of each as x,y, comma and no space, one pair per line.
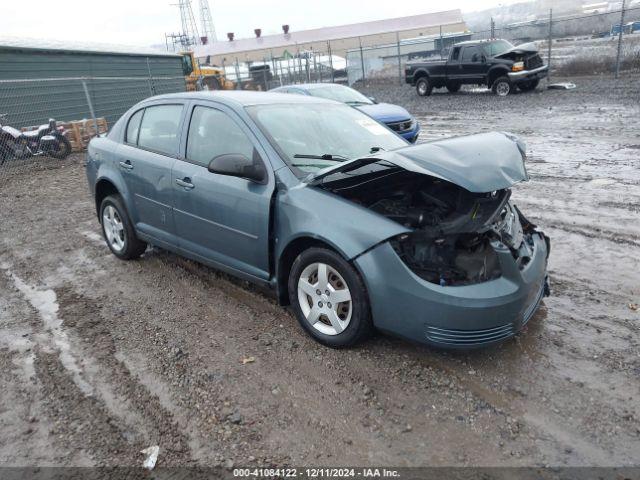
424,86
64,148
342,323
453,87
118,230
529,86
502,86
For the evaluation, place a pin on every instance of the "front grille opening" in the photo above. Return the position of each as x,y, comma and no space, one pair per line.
534,61
403,126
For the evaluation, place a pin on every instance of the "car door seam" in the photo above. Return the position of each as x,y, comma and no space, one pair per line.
240,232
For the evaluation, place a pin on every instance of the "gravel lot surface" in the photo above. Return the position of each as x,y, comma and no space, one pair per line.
101,358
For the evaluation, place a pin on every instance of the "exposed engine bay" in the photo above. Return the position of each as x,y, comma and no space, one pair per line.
453,229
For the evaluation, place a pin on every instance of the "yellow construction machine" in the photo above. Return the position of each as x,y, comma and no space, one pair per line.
204,77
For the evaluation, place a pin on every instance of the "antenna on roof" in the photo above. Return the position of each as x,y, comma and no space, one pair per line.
208,30
188,37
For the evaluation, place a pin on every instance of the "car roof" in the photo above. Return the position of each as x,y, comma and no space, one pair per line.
308,86
242,98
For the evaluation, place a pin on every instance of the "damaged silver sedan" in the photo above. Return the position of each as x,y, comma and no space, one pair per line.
352,227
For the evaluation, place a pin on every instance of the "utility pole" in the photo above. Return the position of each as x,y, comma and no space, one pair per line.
399,58
549,46
362,63
620,39
189,35
493,30
208,30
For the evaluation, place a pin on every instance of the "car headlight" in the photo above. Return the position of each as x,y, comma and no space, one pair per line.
517,67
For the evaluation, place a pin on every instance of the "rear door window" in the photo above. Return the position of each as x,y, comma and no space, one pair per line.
159,128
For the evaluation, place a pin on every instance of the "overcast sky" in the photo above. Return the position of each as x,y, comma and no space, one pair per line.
144,22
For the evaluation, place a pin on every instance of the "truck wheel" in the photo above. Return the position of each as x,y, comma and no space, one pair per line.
453,87
502,86
528,86
424,87
212,83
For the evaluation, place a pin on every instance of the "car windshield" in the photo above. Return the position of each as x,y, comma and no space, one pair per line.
341,94
310,137
497,47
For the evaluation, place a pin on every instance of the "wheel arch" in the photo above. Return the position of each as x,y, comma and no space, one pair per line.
496,73
421,73
104,188
289,254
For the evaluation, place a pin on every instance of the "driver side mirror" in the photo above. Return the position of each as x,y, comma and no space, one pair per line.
237,165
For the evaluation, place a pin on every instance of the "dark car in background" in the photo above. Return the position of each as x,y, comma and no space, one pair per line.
350,225
393,116
496,64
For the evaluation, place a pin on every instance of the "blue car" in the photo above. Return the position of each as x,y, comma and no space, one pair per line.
347,223
393,116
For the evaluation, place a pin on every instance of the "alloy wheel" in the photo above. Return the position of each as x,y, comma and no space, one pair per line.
113,228
324,298
503,89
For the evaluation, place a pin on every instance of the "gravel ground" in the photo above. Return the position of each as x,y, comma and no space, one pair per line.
101,358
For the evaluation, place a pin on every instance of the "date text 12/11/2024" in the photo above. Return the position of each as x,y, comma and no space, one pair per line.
316,473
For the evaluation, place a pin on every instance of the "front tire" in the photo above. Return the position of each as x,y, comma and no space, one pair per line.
502,86
424,86
329,298
118,231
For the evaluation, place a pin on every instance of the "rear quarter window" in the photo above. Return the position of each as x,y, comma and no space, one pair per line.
133,128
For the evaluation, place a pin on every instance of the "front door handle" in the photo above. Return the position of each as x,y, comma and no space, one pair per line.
126,165
185,182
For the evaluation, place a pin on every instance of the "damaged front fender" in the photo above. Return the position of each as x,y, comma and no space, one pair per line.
350,229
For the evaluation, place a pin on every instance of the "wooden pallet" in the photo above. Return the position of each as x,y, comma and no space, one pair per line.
79,132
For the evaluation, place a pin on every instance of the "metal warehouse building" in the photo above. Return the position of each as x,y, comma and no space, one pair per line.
40,80
339,39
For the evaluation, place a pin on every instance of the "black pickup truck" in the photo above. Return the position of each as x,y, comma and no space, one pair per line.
494,63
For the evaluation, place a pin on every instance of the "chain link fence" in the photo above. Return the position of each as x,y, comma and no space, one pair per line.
80,106
593,43
596,43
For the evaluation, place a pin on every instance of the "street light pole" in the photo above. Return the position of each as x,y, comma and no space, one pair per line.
620,40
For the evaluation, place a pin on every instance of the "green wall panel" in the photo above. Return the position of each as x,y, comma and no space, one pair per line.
29,99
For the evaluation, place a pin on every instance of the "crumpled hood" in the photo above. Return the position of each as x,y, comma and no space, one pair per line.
520,49
385,112
478,163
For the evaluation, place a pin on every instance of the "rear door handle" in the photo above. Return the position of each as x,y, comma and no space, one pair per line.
126,165
185,182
